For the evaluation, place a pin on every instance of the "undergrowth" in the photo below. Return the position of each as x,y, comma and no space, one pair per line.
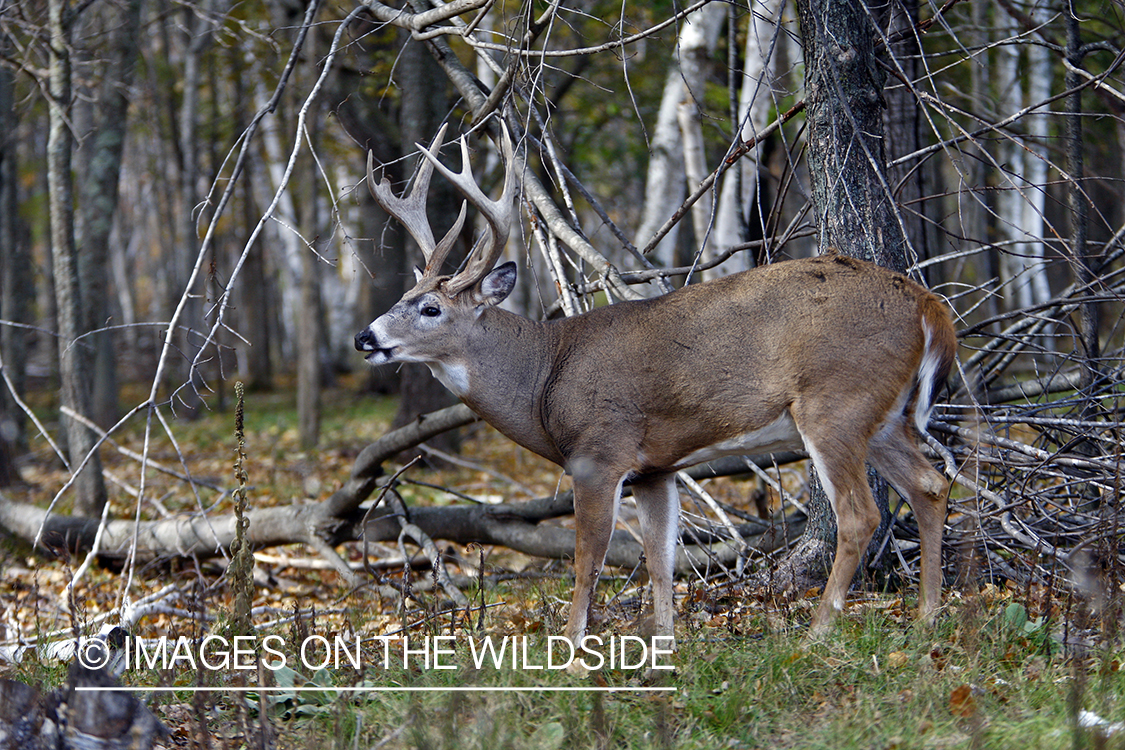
974,679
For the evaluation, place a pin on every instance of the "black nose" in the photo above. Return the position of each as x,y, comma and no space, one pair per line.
365,341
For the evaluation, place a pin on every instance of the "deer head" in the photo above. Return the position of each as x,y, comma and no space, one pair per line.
428,317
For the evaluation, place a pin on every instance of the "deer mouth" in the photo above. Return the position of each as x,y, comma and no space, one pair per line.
366,341
380,356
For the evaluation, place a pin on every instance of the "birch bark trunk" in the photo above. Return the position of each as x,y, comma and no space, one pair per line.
739,189
73,360
664,184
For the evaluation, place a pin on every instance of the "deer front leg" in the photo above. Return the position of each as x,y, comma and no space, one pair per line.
658,506
596,497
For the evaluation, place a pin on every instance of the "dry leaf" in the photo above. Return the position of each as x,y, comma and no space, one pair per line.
961,702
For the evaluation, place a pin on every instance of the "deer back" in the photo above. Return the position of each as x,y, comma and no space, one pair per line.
665,378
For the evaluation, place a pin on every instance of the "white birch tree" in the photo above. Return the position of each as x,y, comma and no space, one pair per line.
667,172
757,98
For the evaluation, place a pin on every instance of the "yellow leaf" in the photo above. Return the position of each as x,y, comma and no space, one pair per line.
897,660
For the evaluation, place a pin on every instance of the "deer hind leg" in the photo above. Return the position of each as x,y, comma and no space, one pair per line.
658,506
840,466
895,455
596,497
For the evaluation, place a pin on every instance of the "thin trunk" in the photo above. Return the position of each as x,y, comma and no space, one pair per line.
423,106
1024,76
310,322
664,182
695,170
977,172
9,475
254,320
1010,153
1089,348
255,362
310,335
903,122
73,359
739,190
214,285
286,248
381,277
123,258
1040,69
375,268
198,37
10,422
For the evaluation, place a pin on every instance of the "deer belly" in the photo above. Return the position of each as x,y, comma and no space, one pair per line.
779,435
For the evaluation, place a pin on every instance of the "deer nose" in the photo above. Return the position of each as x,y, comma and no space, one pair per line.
365,341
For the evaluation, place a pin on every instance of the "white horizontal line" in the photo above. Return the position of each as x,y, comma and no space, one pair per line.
388,689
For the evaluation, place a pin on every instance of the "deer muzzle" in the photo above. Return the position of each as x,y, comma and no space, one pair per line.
366,341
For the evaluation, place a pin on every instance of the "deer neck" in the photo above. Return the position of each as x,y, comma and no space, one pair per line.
501,377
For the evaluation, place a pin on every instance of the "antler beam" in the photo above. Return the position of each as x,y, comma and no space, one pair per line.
410,210
497,213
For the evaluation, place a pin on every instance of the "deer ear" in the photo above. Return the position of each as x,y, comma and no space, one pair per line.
498,284
418,273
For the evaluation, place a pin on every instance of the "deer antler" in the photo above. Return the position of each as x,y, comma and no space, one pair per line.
497,213
410,211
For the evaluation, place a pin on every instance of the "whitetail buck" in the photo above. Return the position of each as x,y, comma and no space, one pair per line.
833,354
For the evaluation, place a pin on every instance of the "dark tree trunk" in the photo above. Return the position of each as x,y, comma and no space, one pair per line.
9,475
310,323
255,303
1089,348
99,175
854,205
844,104
16,282
423,107
253,299
383,262
904,122
197,29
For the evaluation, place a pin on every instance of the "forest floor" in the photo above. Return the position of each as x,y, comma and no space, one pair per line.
1003,667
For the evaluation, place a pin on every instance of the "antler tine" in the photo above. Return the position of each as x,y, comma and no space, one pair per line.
498,213
410,210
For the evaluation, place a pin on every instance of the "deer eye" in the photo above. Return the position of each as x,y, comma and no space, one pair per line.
430,311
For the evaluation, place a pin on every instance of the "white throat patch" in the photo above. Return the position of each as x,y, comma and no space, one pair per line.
453,377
